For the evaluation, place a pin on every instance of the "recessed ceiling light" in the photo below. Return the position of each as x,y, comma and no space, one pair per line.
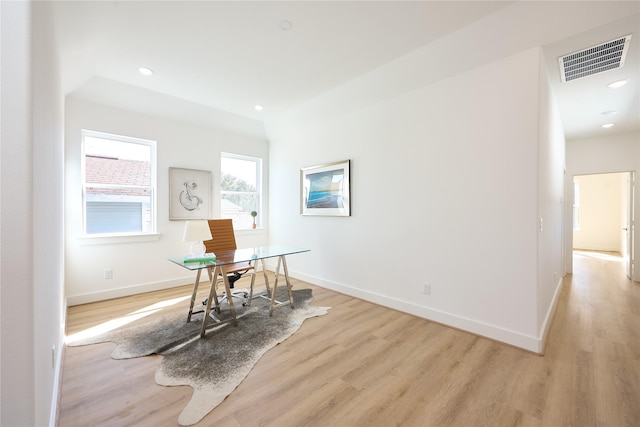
285,25
608,125
145,71
609,113
618,83
258,107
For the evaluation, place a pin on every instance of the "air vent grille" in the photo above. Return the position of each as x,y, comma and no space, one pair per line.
594,60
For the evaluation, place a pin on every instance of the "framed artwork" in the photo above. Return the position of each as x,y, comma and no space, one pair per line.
325,189
189,194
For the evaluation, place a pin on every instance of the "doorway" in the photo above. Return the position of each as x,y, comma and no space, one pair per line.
603,214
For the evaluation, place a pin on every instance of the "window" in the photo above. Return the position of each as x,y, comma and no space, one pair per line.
118,184
240,190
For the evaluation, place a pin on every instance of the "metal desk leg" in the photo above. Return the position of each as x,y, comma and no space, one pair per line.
286,277
212,295
227,288
283,261
193,296
215,294
266,281
275,287
253,281
207,310
266,277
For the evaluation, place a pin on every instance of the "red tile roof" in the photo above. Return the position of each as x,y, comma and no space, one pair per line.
110,170
114,171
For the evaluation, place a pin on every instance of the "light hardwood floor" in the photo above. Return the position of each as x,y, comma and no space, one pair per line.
366,365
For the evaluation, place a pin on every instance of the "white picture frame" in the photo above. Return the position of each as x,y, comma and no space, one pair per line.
325,190
190,194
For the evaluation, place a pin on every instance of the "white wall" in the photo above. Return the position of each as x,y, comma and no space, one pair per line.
16,246
141,265
600,212
32,306
444,191
49,308
551,166
610,153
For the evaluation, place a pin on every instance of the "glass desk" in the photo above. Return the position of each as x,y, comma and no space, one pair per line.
215,268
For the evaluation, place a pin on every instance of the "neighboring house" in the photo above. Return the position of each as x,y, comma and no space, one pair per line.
229,208
241,219
117,203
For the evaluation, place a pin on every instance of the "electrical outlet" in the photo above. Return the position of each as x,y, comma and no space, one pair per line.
53,357
426,288
108,273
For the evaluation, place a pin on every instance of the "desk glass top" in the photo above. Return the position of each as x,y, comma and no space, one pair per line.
239,255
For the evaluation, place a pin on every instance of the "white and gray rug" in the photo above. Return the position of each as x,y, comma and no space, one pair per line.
216,364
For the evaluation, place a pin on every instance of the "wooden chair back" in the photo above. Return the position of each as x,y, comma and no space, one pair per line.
224,238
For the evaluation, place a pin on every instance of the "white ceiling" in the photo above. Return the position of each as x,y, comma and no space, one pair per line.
229,56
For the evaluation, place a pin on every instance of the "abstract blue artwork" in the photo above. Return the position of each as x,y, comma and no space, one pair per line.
325,189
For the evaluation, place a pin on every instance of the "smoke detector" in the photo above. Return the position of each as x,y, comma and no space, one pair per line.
594,60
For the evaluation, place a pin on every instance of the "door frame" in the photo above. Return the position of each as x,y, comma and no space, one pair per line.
632,200
629,228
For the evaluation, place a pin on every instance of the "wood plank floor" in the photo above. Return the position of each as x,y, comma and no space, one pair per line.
366,365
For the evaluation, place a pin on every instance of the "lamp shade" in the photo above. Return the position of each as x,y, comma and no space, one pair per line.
197,231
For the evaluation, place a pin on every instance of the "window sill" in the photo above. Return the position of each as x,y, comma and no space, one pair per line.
120,238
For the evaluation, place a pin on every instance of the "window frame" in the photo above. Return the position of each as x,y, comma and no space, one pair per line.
152,188
259,167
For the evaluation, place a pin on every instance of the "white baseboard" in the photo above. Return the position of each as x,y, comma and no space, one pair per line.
139,289
516,339
548,320
57,373
127,291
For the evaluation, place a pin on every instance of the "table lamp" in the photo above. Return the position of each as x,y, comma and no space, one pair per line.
197,232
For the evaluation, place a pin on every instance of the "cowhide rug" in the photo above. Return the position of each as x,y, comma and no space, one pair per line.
216,364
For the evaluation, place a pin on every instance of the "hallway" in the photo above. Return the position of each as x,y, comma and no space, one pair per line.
596,335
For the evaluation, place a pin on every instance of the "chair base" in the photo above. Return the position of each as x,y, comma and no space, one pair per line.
242,295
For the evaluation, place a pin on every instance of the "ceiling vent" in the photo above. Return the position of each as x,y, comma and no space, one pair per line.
594,60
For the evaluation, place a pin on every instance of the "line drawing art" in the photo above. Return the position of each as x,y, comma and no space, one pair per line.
190,194
188,200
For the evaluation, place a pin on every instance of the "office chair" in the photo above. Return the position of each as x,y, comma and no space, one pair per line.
224,239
